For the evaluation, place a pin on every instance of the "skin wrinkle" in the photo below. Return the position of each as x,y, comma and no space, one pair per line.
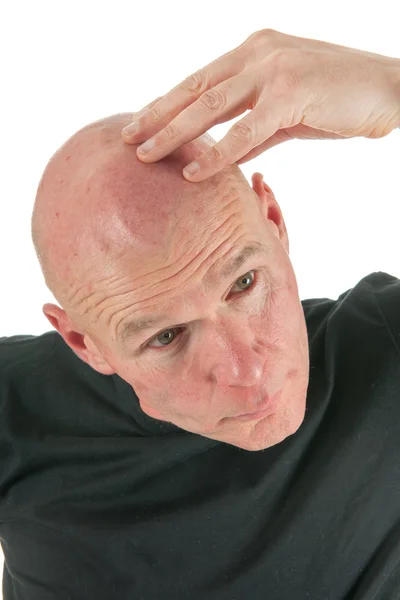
135,326
167,279
171,288
171,277
116,237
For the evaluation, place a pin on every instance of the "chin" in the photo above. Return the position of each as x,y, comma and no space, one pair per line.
271,429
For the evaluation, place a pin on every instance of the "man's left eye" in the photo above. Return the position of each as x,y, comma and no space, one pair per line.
244,278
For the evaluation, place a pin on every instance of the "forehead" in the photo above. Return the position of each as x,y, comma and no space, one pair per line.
154,224
153,198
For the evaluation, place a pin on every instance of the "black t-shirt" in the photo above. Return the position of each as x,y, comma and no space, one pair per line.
99,501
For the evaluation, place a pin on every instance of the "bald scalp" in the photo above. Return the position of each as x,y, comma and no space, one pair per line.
96,202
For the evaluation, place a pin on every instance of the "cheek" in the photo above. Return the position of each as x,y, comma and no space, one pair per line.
269,325
158,390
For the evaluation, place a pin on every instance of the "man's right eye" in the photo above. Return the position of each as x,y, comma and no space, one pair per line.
163,337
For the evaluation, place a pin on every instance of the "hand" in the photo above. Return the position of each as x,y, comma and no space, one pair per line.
294,87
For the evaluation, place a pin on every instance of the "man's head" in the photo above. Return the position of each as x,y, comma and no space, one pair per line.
121,242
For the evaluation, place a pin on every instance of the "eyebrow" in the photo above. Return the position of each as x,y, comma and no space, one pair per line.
133,327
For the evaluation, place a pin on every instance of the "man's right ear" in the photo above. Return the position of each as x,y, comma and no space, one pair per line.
86,351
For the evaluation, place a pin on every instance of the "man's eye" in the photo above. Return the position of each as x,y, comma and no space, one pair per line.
165,337
245,278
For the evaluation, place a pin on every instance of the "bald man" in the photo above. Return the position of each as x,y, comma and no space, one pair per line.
157,443
185,291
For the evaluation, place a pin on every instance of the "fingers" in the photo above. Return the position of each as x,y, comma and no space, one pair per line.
214,106
186,93
250,132
138,114
176,100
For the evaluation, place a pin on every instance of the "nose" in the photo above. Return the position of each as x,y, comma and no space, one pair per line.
236,357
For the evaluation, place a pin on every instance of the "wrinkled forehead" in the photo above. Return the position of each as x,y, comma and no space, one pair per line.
153,205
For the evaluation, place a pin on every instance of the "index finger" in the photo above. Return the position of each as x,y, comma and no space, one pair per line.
153,120
183,95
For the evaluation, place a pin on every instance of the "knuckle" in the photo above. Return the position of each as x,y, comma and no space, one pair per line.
243,131
196,83
153,115
281,58
262,35
216,154
261,44
212,100
171,131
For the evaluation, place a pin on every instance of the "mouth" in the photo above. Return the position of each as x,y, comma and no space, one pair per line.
268,407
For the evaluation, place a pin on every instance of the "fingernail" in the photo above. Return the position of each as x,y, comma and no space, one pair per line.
191,169
147,146
131,129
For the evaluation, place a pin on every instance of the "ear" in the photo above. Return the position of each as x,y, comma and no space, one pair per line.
78,341
270,208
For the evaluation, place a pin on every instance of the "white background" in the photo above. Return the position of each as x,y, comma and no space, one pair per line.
67,64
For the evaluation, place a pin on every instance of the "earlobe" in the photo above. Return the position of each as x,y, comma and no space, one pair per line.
99,365
94,358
